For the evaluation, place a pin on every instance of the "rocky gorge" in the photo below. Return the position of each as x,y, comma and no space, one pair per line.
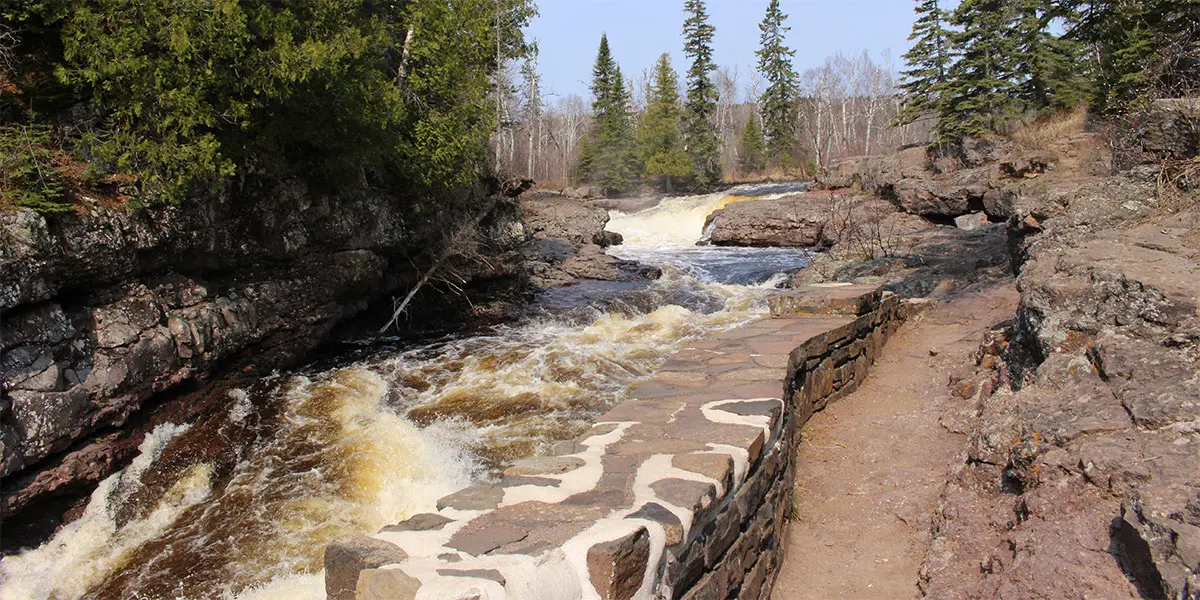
117,320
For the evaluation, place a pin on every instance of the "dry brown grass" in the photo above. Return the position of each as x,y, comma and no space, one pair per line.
1042,133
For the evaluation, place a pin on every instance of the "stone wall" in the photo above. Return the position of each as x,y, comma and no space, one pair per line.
681,491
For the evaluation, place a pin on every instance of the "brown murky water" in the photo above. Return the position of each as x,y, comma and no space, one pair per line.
241,504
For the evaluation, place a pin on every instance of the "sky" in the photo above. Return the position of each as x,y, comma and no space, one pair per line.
568,33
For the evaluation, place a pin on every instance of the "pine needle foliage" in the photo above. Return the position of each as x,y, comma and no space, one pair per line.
700,131
659,137
778,101
609,157
929,61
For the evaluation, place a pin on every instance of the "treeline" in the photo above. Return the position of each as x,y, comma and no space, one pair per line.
708,123
981,65
153,100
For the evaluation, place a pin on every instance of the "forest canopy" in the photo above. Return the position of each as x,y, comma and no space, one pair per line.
156,99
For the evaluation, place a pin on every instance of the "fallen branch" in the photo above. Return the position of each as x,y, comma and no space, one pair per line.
453,246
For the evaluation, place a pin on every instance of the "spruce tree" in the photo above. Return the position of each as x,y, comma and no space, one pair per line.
752,156
1047,64
1137,46
659,132
929,61
700,133
979,93
611,160
775,64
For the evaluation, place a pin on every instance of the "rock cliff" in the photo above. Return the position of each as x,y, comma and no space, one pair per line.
115,317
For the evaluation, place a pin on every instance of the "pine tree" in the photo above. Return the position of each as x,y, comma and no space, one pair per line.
775,64
1047,64
929,61
659,132
611,160
1137,46
752,156
980,92
700,131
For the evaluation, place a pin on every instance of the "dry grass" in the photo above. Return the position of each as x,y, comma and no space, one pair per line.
1042,133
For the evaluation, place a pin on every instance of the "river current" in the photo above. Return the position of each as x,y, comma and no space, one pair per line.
309,455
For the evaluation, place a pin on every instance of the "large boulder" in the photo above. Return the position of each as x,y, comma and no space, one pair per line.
872,174
558,218
798,220
1172,128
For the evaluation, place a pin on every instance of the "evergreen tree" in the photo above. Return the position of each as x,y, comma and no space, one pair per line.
752,156
611,158
1136,46
659,132
775,64
700,131
982,85
1047,64
929,61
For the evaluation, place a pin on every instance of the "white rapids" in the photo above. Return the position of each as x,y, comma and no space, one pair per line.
372,442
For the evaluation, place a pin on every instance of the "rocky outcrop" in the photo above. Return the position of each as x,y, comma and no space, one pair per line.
1172,128
984,177
798,221
109,313
566,240
809,220
1081,476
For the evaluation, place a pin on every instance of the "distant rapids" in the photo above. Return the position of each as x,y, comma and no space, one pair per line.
241,504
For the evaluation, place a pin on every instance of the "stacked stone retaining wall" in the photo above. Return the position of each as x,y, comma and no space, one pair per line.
682,491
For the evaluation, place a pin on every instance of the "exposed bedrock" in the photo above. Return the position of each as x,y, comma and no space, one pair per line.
1082,471
110,314
809,220
988,177
566,241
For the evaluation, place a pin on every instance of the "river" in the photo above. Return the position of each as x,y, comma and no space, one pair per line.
240,505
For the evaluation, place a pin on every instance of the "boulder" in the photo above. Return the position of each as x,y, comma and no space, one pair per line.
1172,128
971,222
558,218
792,221
1027,166
872,174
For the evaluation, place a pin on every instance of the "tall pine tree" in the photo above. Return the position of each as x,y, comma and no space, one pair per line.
610,158
1137,46
979,93
700,132
778,102
929,61
659,132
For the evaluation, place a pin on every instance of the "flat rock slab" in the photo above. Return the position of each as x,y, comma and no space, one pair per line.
827,299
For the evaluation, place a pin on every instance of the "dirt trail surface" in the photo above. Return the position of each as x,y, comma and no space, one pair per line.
872,465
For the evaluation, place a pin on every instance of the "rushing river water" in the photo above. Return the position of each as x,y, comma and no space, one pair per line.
241,504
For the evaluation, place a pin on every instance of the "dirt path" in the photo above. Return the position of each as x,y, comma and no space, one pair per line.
871,466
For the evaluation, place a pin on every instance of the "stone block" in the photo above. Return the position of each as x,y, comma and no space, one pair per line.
386,584
672,526
826,299
476,497
348,556
616,568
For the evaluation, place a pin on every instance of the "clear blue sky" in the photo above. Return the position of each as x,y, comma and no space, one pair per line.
568,32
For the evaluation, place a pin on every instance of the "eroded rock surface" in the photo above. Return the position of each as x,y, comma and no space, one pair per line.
1082,471
114,315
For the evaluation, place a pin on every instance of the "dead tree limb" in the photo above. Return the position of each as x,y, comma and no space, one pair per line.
456,244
